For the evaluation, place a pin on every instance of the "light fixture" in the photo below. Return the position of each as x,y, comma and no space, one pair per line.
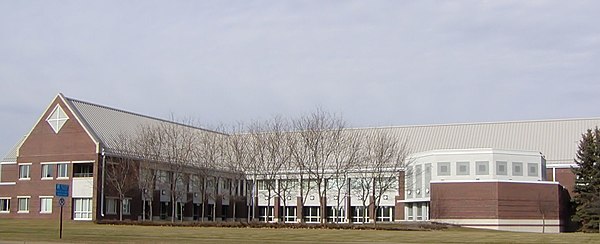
427,190
289,198
418,191
385,197
409,192
312,197
163,192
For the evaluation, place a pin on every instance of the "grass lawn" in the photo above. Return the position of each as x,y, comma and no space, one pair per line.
47,231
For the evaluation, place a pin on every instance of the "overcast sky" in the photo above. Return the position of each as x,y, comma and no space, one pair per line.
377,63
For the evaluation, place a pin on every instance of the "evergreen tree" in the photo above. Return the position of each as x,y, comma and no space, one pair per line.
587,183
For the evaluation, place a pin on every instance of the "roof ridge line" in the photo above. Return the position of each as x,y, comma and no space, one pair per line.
476,123
140,115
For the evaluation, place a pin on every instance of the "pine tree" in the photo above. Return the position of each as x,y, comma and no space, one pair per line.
587,183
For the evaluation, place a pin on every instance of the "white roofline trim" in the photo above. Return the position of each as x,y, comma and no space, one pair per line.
561,166
496,181
84,125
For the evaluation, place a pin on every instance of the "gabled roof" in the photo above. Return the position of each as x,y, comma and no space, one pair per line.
106,124
11,156
556,139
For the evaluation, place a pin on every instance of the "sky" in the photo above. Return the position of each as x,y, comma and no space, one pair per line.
376,63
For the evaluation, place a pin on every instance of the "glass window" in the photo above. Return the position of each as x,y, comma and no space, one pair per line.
360,214
111,206
46,205
47,170
83,209
24,171
385,213
335,214
312,215
290,215
57,119
483,167
126,206
265,214
443,168
517,169
462,168
62,171
24,205
409,211
4,205
501,168
532,169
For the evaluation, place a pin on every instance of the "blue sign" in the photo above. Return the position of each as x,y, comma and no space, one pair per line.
62,190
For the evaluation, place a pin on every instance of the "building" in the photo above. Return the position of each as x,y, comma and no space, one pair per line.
73,142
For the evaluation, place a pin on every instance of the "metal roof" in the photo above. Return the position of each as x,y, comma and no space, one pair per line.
107,124
11,156
556,139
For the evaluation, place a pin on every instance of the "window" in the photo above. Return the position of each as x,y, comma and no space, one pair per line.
443,168
360,214
83,170
265,214
501,168
62,171
419,211
483,167
4,205
82,209
335,215
111,206
57,119
47,171
462,168
517,169
409,211
126,206
312,215
23,204
532,169
45,204
24,171
290,215
264,185
385,214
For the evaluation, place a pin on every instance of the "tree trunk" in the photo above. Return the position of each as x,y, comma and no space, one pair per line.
144,210
151,206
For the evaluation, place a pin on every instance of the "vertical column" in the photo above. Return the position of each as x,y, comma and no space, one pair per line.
299,208
399,206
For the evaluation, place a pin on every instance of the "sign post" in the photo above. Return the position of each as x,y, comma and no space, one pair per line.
62,191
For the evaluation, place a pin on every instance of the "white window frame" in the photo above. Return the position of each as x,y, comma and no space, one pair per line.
7,200
126,206
28,165
58,175
47,210
388,211
28,203
112,204
45,167
290,214
266,214
358,214
81,213
58,120
314,214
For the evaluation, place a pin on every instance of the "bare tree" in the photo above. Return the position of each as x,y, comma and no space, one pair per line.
268,154
319,134
385,157
236,162
121,171
345,160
